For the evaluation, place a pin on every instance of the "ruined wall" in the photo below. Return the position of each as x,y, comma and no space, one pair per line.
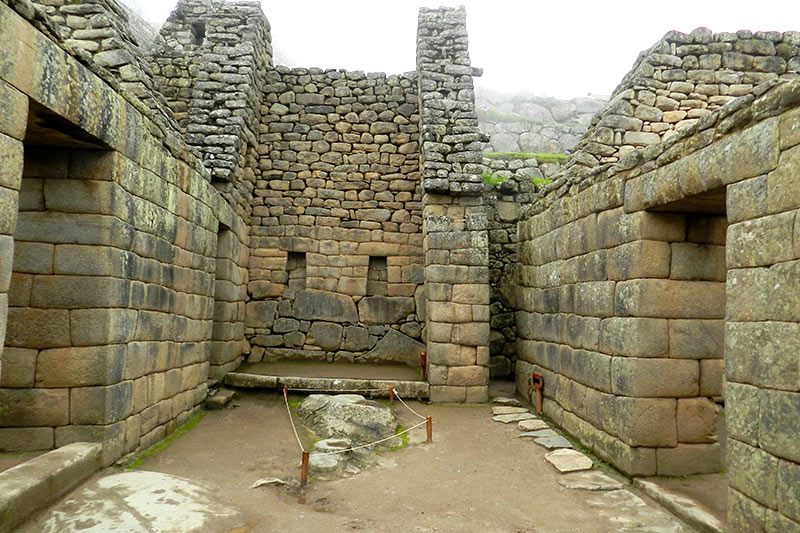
623,297
336,269
111,305
522,123
455,220
678,81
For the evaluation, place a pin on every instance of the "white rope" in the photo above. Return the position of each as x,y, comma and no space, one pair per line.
371,443
409,408
338,390
288,410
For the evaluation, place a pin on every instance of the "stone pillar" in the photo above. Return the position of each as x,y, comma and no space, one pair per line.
455,226
13,122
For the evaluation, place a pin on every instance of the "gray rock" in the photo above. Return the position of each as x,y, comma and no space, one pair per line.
513,402
326,335
552,443
534,424
396,348
347,416
539,434
568,461
384,309
507,410
328,306
591,480
324,466
507,419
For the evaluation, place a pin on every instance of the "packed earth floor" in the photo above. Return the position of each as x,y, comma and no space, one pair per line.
477,475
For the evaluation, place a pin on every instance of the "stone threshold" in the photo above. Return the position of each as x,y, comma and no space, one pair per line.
682,505
41,481
378,388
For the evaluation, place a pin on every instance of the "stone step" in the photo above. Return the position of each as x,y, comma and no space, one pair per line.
40,482
371,387
220,399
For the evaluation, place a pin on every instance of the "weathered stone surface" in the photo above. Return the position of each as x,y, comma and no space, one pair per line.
569,461
395,347
347,416
331,307
508,410
384,310
533,424
507,419
327,336
590,480
553,443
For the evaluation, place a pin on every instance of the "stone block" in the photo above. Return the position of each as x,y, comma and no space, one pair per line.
670,298
697,420
647,421
94,261
639,259
688,460
75,292
111,436
26,439
102,326
468,376
594,298
763,354
265,289
9,200
747,199
790,129
451,354
752,471
448,394
471,334
704,262
788,493
615,227
18,367
449,312
697,339
471,293
34,407
477,394
756,294
762,241
742,410
634,337
33,257
327,336
80,367
744,514
384,310
74,228
11,161
356,338
779,424
783,187
712,377
100,405
330,307
13,111
260,314
655,377
37,328
88,196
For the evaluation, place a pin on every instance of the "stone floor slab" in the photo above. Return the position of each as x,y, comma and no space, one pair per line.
512,402
569,460
516,417
590,480
534,424
539,434
507,410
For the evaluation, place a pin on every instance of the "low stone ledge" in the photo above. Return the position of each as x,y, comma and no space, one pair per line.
37,483
372,387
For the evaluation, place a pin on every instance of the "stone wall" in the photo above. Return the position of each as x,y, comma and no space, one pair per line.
623,304
455,221
108,284
535,124
678,81
336,272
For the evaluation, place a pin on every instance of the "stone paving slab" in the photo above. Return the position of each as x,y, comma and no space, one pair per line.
590,480
513,402
508,410
568,461
533,424
541,433
552,443
516,417
684,507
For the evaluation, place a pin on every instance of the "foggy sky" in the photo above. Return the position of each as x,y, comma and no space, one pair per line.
557,48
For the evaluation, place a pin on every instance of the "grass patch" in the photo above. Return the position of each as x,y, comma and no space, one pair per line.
541,181
403,440
164,444
541,157
492,179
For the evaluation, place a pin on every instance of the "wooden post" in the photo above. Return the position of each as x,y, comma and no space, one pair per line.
430,429
538,383
391,396
423,362
304,470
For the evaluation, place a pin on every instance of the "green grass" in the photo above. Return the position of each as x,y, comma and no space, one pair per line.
164,444
541,157
492,179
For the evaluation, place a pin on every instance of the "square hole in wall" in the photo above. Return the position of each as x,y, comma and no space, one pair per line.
296,268
377,276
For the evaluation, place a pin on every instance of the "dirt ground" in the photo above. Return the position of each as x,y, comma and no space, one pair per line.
477,475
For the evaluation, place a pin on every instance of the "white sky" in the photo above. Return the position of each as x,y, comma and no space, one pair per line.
561,48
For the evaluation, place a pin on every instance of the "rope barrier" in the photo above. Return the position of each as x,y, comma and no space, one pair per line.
409,408
291,419
336,390
371,443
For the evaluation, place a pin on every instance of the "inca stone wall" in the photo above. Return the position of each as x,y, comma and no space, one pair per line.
455,220
638,277
535,124
110,254
336,272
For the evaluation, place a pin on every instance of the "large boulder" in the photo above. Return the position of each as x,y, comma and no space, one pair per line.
385,309
328,306
347,416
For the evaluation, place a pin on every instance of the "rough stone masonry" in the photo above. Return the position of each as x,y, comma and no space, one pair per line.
173,204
